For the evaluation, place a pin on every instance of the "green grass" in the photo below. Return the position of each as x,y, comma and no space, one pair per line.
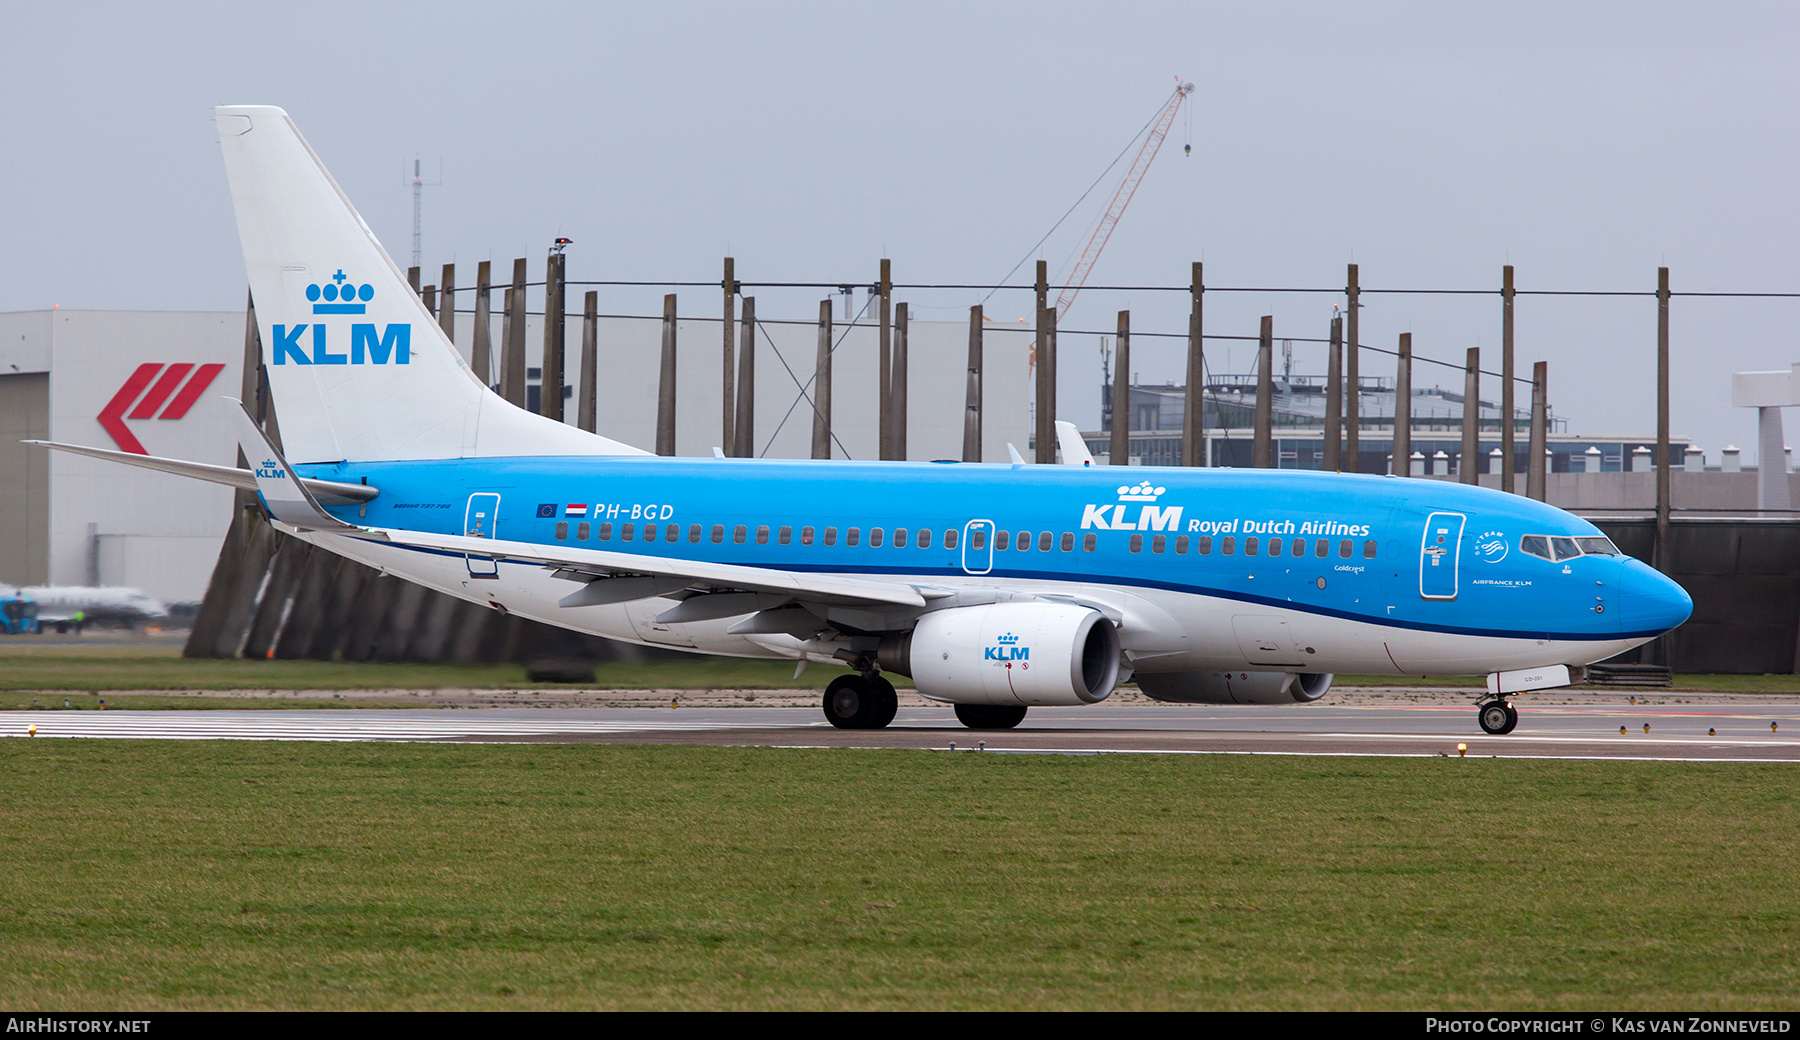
256,875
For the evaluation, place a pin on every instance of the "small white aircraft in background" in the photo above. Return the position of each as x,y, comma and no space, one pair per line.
58,605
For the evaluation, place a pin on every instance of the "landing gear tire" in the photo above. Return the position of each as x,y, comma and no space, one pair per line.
989,716
887,702
1498,717
853,702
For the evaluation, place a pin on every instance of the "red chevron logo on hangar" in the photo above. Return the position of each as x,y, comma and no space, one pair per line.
161,381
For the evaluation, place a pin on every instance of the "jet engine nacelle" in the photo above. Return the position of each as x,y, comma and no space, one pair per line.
1015,653
1234,687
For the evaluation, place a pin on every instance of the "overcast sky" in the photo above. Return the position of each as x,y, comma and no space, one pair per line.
1586,144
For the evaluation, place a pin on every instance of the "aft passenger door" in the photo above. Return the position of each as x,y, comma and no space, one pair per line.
481,520
1440,555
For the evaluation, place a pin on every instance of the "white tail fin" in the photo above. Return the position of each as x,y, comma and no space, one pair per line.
358,368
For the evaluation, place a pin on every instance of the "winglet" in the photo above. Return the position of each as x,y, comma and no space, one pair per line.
1074,449
1017,459
286,499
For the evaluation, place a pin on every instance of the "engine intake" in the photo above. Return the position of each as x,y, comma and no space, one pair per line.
1014,653
1234,687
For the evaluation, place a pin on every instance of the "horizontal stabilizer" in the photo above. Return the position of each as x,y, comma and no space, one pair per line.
331,492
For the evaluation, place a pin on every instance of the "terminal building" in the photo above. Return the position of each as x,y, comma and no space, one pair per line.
1156,414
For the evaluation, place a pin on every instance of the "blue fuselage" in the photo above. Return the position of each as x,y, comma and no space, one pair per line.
1420,555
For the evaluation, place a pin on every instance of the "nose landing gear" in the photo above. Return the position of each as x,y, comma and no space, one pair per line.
860,702
1497,716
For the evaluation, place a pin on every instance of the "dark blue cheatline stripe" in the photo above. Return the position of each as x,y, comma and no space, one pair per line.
1145,583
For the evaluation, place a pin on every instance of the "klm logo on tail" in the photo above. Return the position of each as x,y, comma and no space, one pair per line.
271,470
367,346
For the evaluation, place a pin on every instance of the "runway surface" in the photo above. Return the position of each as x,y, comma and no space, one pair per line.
1742,731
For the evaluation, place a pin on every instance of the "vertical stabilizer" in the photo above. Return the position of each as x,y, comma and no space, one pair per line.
358,367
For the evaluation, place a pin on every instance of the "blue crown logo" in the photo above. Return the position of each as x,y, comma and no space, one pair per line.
340,297
1008,639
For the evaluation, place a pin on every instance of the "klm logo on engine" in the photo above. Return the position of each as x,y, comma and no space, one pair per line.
367,345
1008,649
270,470
1128,515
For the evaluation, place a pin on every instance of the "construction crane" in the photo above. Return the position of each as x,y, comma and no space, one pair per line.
1121,198
1116,209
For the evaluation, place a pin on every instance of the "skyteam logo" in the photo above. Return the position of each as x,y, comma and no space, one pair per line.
1147,518
270,470
1490,546
340,295
1006,648
339,298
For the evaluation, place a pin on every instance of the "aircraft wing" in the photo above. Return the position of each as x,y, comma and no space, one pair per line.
613,577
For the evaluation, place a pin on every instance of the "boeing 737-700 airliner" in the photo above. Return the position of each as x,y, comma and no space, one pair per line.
994,587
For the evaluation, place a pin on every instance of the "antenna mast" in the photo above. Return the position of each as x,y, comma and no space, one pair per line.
418,189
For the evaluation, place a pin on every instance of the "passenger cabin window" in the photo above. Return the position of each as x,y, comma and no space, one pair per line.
950,537
899,537
1274,547
718,533
649,532
1369,549
1089,541
1068,542
762,534
1227,545
562,530
693,532
672,533
785,536
1044,541
875,537
1346,547
977,538
605,532
1137,543
582,530
1322,548
1023,542
851,534
1250,546
806,536
1158,543
625,531
739,533
1001,539
1204,547
924,539
1181,545
831,536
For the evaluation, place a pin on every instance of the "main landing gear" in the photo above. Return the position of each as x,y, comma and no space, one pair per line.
1497,716
858,701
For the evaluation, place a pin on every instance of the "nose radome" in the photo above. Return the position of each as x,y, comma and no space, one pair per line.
1651,602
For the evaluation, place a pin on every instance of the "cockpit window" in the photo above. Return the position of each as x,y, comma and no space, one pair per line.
1556,548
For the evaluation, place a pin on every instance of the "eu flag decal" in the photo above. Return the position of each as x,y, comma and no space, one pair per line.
547,509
